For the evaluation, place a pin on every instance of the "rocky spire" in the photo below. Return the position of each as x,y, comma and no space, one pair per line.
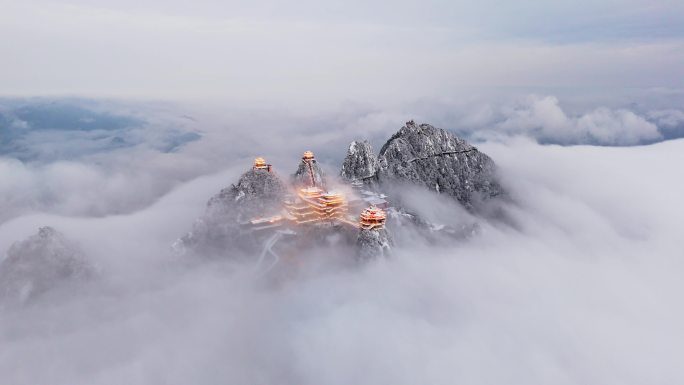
374,239
360,164
373,243
258,193
39,264
438,160
309,172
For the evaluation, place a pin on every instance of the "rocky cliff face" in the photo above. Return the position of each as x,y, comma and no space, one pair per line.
306,171
417,154
360,164
40,263
436,159
257,193
373,244
404,225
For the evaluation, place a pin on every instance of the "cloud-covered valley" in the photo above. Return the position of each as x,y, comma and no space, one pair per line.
581,286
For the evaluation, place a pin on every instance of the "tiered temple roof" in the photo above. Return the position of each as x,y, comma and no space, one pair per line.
373,218
308,155
326,204
334,204
260,164
315,205
301,211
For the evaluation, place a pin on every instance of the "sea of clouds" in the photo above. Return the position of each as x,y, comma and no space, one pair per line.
99,157
582,286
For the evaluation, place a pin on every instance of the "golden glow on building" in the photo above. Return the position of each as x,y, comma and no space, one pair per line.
260,164
373,218
316,205
333,205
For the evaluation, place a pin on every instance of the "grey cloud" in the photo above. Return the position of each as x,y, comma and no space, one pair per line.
668,118
670,121
548,119
381,52
77,172
544,119
44,129
583,290
560,21
582,285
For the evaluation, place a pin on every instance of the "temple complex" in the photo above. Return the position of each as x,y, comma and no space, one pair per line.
312,205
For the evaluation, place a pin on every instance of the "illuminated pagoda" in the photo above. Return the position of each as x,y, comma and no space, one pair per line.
302,208
300,212
315,205
327,205
260,164
372,218
334,205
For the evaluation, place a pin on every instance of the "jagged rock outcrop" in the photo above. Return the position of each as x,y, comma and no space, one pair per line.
404,223
39,264
258,193
438,160
373,243
420,155
307,172
360,164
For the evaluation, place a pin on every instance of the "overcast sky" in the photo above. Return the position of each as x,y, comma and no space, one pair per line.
334,50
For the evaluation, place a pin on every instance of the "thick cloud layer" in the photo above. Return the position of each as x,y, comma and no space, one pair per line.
544,119
579,286
44,130
100,157
582,288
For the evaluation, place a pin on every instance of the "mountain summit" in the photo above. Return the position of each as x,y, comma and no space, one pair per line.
423,155
39,264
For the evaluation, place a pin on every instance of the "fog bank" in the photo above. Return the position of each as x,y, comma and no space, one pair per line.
584,290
